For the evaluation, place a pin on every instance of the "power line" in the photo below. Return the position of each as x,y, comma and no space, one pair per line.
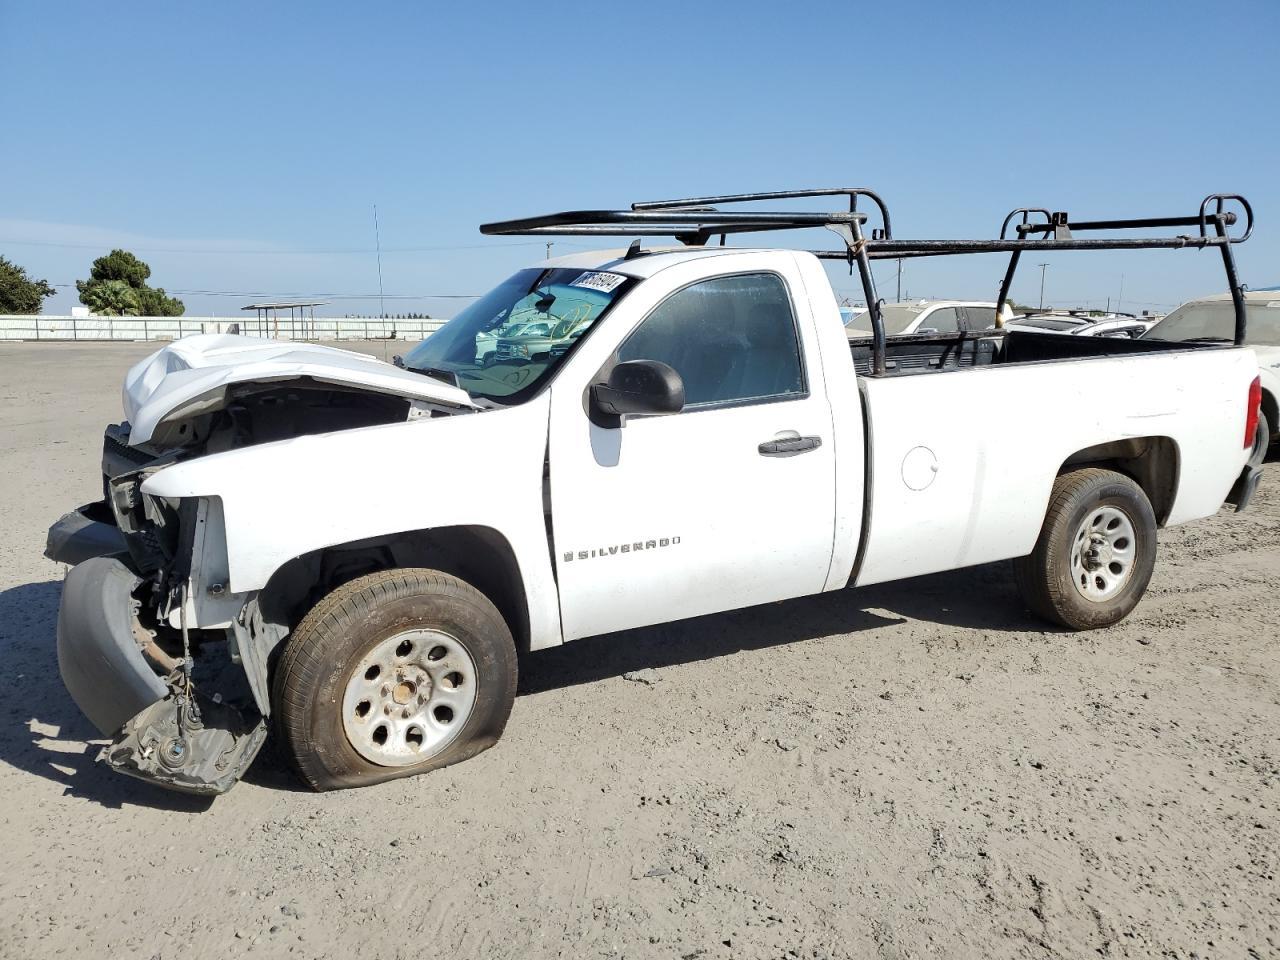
310,293
284,253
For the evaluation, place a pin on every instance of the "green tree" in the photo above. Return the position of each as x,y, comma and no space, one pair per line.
121,266
111,298
18,292
156,303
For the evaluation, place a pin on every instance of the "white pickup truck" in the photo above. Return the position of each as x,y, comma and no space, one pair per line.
360,550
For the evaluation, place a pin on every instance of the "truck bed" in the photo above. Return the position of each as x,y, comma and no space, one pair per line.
960,468
932,353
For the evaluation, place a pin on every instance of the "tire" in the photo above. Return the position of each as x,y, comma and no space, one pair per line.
1080,589
1261,441
433,710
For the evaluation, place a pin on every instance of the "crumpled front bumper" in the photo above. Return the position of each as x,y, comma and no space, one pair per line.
98,654
195,745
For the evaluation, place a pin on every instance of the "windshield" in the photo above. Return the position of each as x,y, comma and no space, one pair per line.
896,317
498,347
1216,320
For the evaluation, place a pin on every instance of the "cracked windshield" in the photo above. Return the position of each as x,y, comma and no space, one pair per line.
509,340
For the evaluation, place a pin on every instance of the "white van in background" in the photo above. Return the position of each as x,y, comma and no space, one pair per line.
928,316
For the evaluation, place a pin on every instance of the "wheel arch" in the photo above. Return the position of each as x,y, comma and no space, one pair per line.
1153,463
480,555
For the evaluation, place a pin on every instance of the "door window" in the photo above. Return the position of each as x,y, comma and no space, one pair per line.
731,339
980,318
943,320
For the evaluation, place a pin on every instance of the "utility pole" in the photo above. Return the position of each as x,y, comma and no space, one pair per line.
899,279
1042,266
1120,301
549,249
377,239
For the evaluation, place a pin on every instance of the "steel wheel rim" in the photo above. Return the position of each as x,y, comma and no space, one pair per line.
409,697
1103,553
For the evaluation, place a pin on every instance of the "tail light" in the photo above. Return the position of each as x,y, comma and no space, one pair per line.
1251,412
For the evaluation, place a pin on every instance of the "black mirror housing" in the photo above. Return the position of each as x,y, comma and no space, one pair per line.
636,387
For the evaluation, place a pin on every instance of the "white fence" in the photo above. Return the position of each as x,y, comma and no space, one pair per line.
173,328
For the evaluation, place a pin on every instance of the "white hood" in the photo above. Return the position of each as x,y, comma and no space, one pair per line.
202,367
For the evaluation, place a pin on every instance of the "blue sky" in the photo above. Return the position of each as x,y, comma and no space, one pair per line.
238,147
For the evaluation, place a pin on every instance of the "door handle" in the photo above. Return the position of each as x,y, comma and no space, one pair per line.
789,446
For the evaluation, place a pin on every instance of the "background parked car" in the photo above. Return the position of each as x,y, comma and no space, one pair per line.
927,316
1081,324
849,314
539,339
1213,318
487,341
520,343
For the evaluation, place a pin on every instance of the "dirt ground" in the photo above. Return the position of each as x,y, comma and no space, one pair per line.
914,770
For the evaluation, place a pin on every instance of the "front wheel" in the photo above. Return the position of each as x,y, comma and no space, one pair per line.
391,675
1096,551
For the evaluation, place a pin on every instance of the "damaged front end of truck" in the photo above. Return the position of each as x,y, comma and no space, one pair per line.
175,698
153,645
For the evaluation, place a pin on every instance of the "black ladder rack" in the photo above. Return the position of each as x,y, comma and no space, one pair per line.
694,221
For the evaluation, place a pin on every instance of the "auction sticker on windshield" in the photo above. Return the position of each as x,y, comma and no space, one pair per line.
604,282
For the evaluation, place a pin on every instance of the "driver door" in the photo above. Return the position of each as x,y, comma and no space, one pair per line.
668,517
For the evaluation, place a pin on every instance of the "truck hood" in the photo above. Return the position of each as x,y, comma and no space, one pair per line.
291,497
195,372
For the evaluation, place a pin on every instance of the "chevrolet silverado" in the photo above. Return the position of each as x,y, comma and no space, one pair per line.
358,551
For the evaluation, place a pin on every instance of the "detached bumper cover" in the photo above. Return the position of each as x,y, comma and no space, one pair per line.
83,534
159,735
100,661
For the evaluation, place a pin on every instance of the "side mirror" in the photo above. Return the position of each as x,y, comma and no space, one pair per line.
636,387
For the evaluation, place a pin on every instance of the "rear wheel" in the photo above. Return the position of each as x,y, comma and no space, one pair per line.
392,675
1096,551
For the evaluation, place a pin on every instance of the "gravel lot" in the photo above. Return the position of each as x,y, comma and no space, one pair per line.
903,771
